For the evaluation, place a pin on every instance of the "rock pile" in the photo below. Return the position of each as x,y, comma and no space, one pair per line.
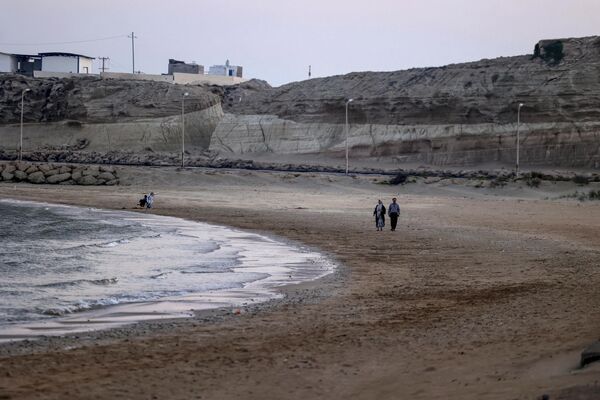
58,174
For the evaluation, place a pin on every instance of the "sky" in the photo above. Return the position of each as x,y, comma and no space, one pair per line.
276,40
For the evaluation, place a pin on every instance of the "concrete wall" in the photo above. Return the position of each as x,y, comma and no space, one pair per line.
8,63
196,79
179,78
45,74
60,64
140,77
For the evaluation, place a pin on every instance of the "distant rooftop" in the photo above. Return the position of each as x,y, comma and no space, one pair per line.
61,54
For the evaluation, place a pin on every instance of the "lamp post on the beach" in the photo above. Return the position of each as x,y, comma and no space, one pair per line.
518,134
347,104
21,136
183,126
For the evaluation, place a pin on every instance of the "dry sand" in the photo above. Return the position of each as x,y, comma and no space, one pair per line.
478,295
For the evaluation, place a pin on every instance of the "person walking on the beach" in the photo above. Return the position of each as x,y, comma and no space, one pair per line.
394,213
150,200
379,214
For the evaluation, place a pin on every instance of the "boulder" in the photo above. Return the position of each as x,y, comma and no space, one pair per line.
20,175
69,182
90,172
10,168
58,178
45,167
107,168
591,354
107,176
87,180
112,183
31,169
7,176
21,166
77,175
37,177
64,169
55,171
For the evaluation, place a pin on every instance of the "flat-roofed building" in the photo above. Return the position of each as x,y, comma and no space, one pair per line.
184,68
226,70
24,64
66,62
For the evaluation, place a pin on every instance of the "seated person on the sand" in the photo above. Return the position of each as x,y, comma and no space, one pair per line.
143,201
150,200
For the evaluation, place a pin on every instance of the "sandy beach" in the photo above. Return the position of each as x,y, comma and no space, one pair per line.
480,294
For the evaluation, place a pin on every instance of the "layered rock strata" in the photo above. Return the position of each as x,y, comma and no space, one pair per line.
456,114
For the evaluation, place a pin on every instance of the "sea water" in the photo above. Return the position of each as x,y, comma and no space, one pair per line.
68,269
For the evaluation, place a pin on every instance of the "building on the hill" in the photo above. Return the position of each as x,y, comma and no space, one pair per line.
8,63
226,70
24,64
67,63
184,68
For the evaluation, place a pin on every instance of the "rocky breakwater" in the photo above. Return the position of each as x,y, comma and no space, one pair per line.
58,174
458,114
105,114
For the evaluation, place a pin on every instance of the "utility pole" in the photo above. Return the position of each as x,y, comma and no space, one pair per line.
133,37
104,59
518,136
347,104
309,71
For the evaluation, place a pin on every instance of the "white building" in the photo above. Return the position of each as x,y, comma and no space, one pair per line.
226,70
8,63
67,62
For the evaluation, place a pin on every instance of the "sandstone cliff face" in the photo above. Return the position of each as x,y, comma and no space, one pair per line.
106,114
458,114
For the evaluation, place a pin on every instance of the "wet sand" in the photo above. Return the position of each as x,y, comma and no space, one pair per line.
477,295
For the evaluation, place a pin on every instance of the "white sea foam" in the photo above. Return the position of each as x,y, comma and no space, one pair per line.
74,262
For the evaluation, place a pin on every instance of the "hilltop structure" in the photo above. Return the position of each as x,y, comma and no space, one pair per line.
29,64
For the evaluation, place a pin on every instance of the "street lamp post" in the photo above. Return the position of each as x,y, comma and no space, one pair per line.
21,136
347,104
183,126
518,134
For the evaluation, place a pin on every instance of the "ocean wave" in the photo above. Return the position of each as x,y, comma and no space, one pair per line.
100,282
162,275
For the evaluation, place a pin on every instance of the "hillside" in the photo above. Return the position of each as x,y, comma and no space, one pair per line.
460,114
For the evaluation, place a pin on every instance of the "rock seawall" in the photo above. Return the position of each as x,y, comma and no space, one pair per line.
88,175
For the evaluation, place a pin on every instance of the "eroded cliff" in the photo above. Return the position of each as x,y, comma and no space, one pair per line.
456,114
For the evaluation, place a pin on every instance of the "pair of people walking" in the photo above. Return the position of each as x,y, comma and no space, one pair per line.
393,212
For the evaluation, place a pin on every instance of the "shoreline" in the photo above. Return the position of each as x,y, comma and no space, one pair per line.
476,296
122,316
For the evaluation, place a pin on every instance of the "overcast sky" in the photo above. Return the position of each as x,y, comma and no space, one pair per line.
276,40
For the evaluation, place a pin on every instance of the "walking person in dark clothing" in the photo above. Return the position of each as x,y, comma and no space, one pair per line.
394,213
379,214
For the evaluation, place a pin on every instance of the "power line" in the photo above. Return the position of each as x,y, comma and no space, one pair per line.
71,42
